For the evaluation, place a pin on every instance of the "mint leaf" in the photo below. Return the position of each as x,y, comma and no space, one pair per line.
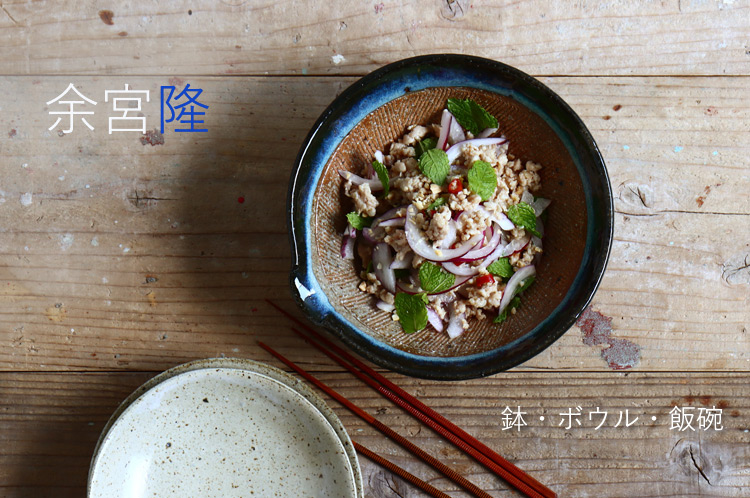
412,311
522,215
514,303
483,180
434,164
402,272
357,221
425,145
525,285
434,279
382,176
501,268
438,202
471,115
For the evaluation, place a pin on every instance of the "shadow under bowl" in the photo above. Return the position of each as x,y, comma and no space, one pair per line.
540,127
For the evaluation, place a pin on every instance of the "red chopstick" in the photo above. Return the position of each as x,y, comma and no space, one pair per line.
426,487
501,472
459,434
387,431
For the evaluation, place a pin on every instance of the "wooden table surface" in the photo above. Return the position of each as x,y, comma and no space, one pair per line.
122,255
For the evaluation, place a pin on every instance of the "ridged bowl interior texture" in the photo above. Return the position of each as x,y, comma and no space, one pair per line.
577,236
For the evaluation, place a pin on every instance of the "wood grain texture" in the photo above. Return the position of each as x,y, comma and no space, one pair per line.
674,37
49,424
132,256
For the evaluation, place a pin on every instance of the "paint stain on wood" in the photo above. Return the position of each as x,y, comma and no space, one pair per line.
152,137
702,198
151,298
616,107
12,133
620,354
107,17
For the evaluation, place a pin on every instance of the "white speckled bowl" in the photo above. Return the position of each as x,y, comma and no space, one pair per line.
224,428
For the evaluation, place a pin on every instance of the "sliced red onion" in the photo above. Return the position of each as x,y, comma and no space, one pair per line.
527,197
445,127
420,245
374,183
456,133
434,319
408,288
393,222
482,252
502,219
381,262
388,215
455,325
382,305
540,205
540,227
536,241
510,290
516,245
373,235
455,150
347,247
445,297
379,157
402,264
463,270
486,132
350,230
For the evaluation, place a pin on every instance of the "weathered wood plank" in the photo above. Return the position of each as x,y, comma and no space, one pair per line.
349,37
120,255
49,424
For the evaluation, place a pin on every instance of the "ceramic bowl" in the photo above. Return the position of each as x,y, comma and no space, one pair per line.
539,125
224,428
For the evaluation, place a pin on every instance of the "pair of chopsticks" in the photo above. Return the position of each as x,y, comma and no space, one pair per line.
486,456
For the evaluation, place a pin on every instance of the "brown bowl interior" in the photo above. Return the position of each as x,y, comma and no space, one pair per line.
530,138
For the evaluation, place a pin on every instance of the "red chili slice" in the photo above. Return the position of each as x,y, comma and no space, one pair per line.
484,280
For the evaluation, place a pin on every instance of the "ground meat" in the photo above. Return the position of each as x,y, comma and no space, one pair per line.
396,238
401,151
404,165
472,223
463,201
416,134
487,296
529,177
369,283
525,257
439,226
416,190
364,202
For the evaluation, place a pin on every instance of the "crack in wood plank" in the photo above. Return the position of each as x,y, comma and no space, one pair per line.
9,16
700,469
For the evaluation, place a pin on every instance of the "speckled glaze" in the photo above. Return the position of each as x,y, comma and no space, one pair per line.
540,126
224,428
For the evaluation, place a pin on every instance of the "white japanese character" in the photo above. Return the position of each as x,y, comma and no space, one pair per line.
71,111
130,108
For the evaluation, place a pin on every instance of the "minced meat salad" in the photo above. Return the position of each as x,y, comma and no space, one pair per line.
446,223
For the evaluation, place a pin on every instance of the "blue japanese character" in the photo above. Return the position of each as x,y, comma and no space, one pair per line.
187,109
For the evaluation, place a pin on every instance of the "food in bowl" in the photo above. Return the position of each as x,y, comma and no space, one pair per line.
445,223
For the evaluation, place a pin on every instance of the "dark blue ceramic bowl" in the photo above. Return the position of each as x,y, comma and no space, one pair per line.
540,126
